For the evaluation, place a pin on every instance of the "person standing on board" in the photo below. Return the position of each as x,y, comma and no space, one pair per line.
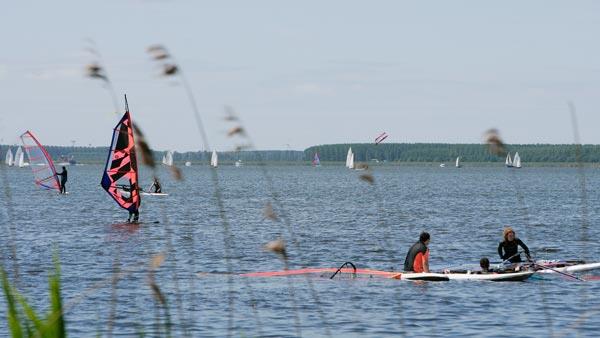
508,249
134,216
417,258
156,186
63,180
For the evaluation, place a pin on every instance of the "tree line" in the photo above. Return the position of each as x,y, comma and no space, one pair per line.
389,152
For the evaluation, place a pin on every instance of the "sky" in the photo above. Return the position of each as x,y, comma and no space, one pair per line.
303,73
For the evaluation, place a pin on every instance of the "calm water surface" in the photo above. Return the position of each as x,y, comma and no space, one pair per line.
334,217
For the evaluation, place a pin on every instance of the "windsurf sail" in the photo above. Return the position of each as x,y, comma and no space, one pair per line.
349,156
168,158
44,173
316,161
120,178
380,138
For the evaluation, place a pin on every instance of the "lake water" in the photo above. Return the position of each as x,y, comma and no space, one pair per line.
333,217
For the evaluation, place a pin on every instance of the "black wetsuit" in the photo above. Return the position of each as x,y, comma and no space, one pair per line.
63,181
157,187
414,250
510,249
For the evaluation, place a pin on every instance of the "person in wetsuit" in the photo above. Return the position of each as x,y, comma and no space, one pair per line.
417,258
508,249
63,180
134,216
484,263
156,186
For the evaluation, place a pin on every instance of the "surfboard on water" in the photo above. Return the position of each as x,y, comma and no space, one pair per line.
42,166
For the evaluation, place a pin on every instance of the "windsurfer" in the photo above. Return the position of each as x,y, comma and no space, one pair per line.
156,186
417,258
63,180
134,213
508,249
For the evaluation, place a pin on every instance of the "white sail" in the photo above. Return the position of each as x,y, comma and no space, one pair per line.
458,162
19,158
351,161
214,159
9,157
508,162
517,161
348,156
168,158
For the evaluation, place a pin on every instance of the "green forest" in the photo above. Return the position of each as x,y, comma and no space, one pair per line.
388,152
443,152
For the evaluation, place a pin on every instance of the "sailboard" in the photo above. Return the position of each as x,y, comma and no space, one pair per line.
316,161
44,173
120,178
8,160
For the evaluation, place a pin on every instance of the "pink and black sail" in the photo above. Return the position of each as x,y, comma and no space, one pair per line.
120,177
44,173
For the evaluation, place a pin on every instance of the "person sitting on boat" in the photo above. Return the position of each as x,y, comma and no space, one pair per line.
417,258
484,263
156,186
63,180
508,249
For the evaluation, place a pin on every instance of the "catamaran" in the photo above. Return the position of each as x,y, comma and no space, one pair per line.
9,157
44,173
316,162
517,161
120,178
508,162
214,159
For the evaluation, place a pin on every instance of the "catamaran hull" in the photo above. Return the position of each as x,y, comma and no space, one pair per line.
497,277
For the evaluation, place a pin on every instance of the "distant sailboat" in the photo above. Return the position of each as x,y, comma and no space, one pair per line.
316,162
238,163
214,159
517,161
442,165
458,162
508,162
350,159
188,164
19,160
9,157
168,158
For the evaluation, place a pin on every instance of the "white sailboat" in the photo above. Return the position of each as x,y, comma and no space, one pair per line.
458,162
19,158
517,161
214,159
168,158
238,163
508,162
350,159
9,157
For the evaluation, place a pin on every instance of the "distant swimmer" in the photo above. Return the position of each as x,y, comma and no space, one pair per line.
156,186
63,180
508,249
417,258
